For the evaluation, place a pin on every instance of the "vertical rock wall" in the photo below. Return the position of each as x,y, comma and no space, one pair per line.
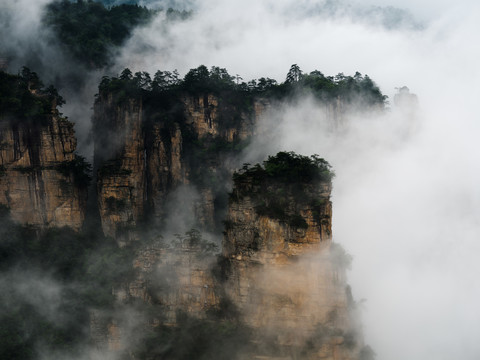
141,160
36,181
175,279
119,148
287,282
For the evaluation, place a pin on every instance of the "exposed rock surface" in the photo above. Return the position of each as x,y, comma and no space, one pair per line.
287,282
175,279
121,178
170,280
143,155
36,181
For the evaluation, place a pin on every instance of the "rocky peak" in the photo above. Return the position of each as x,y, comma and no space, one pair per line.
149,145
42,181
284,273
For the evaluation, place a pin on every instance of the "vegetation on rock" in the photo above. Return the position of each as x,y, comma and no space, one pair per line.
357,90
92,32
26,103
89,31
161,98
284,183
79,169
24,99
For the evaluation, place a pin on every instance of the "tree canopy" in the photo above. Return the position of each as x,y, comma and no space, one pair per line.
89,31
356,90
23,97
282,184
288,168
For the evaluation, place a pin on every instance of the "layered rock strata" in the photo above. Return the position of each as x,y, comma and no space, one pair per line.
37,173
289,282
143,153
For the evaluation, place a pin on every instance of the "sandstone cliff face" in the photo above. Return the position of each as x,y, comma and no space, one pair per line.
37,179
170,280
175,279
287,282
143,155
208,115
121,178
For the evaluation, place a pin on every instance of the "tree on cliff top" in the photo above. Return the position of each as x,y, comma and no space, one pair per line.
23,98
294,74
282,177
201,79
287,167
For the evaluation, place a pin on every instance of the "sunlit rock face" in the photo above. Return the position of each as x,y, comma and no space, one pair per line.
37,172
144,152
288,281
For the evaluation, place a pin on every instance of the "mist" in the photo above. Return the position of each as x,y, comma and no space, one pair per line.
406,199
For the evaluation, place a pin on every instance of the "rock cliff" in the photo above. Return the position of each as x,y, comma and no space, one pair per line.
41,178
279,274
275,288
176,278
284,274
145,151
119,148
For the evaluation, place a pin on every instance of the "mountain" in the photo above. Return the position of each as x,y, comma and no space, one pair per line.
154,277
43,181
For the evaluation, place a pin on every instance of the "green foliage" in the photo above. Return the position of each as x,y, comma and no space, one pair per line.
89,31
165,80
23,98
79,169
291,167
287,168
164,110
297,221
284,182
198,81
358,90
201,80
294,74
123,87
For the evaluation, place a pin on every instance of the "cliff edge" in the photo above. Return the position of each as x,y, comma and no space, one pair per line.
42,181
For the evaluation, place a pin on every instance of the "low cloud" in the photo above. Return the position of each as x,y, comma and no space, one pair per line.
406,198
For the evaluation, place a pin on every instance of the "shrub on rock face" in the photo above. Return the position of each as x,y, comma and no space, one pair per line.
282,182
25,100
287,168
